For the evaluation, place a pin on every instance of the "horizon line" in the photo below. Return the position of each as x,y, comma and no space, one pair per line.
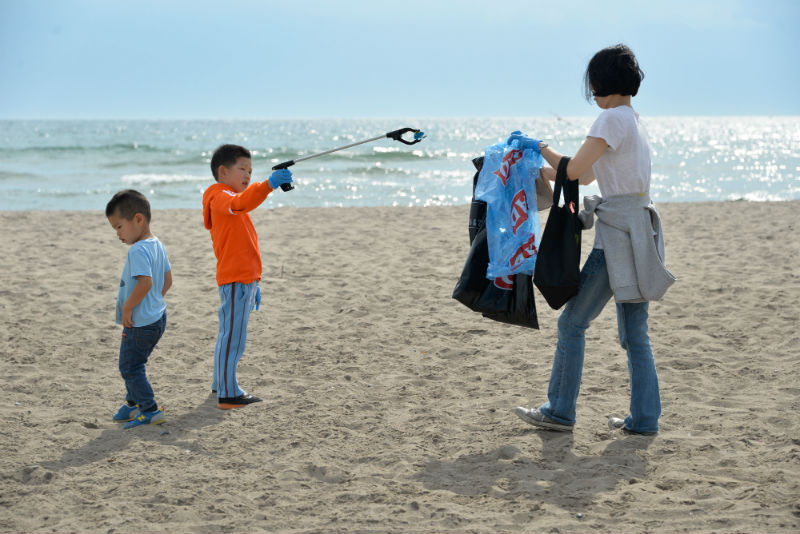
387,117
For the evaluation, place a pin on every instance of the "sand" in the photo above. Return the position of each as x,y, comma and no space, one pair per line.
388,406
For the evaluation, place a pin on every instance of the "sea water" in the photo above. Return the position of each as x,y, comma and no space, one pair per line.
78,165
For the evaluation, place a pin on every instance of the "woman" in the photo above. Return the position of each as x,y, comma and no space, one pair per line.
616,153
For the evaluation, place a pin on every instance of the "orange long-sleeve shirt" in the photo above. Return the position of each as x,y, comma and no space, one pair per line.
226,215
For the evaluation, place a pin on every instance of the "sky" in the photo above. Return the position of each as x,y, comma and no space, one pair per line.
248,59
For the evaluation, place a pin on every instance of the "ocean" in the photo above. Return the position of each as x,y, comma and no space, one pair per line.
79,164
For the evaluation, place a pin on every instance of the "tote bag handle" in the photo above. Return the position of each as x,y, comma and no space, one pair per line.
570,187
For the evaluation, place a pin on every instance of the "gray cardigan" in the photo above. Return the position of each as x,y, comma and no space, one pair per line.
630,231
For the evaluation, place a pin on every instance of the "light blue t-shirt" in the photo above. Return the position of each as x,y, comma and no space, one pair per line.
147,257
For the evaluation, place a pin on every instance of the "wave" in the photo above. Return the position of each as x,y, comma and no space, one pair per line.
114,147
757,196
375,154
155,162
120,155
162,179
11,175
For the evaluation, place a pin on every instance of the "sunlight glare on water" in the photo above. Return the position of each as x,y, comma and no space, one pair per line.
80,164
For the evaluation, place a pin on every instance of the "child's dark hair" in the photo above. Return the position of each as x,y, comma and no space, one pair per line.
128,203
613,71
227,155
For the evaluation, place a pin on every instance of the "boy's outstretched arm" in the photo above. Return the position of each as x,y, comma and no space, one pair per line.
143,285
250,198
167,283
253,196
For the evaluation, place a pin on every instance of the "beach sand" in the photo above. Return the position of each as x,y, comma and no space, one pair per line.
388,406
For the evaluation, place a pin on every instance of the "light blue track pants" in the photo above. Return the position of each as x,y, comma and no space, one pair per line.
237,300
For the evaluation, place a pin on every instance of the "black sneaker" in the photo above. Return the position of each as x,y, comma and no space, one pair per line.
229,403
537,418
615,423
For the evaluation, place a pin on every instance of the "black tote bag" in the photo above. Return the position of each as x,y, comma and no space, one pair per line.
509,299
557,271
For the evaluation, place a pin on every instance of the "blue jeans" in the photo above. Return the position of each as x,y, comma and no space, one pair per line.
565,378
137,344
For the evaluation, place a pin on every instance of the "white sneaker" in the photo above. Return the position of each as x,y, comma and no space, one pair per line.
537,418
615,423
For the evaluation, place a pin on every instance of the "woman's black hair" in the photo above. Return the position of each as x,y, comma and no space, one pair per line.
613,71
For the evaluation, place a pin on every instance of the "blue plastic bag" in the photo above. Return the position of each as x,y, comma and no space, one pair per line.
507,185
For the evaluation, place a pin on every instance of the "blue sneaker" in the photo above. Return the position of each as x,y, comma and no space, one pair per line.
126,413
147,418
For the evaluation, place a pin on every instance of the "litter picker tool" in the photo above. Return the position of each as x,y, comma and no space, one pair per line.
397,135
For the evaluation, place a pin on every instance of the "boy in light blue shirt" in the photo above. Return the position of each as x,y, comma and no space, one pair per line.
141,310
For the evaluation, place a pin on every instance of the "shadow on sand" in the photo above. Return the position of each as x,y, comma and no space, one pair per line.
560,477
113,440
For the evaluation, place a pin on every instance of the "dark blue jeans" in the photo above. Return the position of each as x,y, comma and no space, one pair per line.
137,344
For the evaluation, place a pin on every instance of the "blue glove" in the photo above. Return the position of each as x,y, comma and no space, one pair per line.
279,177
522,141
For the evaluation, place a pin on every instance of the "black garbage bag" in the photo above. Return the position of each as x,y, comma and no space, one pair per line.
508,299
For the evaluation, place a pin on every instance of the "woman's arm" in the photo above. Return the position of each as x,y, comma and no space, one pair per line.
580,166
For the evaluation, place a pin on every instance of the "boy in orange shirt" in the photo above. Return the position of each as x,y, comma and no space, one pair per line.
226,207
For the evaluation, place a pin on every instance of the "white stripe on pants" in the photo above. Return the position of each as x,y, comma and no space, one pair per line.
237,300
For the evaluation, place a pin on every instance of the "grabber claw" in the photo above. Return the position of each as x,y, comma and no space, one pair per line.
397,135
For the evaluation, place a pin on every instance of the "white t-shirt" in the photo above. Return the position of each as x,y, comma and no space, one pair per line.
624,168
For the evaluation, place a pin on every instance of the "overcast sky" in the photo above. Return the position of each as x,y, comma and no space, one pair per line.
238,59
